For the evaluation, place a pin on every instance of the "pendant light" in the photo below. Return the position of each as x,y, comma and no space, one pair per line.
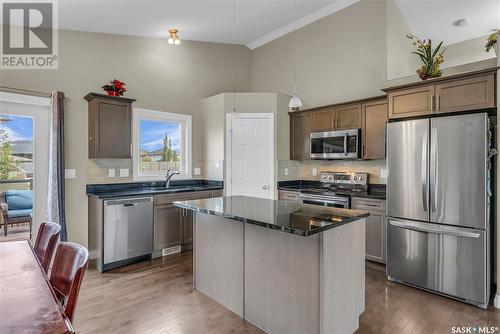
295,102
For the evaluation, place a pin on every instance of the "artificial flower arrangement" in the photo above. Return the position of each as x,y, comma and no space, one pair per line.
115,88
492,40
431,58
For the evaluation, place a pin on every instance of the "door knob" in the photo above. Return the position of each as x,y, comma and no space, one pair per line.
264,187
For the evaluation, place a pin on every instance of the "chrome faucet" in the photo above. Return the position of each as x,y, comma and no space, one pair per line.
170,174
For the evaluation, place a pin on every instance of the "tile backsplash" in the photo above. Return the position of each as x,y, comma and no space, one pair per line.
98,170
303,170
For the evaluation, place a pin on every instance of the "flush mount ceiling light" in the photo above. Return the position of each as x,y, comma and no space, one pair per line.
173,37
461,22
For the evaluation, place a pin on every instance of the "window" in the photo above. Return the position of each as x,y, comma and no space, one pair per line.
162,141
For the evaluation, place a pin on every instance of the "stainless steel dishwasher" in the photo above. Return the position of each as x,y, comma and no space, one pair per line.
127,231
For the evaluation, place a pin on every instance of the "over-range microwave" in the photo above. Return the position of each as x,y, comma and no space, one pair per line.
342,144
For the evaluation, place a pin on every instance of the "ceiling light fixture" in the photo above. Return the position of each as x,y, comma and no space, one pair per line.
295,102
461,22
173,37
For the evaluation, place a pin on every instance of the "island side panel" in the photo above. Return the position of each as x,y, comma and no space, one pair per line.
343,277
282,281
218,252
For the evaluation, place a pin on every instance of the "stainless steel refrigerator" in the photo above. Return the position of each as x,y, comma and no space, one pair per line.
438,233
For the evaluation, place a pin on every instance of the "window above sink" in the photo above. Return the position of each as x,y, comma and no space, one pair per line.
161,141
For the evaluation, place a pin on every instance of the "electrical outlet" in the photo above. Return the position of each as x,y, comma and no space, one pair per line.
383,173
111,172
70,173
197,171
286,171
123,172
314,172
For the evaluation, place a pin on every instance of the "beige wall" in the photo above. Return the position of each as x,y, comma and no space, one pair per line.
159,76
339,58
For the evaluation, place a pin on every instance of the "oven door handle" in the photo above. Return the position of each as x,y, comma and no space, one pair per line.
345,144
322,200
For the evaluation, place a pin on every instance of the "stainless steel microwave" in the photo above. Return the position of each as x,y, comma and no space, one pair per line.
343,144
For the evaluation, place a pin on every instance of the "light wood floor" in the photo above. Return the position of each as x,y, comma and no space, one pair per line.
157,297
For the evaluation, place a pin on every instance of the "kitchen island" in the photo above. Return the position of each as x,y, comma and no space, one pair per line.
286,267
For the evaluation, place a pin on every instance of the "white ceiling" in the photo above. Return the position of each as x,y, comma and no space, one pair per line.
434,19
257,21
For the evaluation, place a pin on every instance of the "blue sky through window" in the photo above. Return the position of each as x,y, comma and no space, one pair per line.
151,135
17,127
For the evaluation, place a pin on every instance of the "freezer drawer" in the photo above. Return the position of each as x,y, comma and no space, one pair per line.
128,228
445,259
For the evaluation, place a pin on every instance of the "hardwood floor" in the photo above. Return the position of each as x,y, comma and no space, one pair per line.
157,297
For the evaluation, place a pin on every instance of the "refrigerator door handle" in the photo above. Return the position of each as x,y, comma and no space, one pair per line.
345,144
434,166
424,227
425,173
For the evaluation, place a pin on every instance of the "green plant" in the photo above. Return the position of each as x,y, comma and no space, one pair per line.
492,40
431,58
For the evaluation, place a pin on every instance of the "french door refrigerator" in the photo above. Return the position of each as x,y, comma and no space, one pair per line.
438,205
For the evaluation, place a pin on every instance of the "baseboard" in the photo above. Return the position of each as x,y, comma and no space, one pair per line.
496,301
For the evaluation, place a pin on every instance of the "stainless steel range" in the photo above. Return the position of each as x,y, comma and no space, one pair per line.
336,189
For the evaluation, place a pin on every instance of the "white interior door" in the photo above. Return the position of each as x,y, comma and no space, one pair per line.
250,155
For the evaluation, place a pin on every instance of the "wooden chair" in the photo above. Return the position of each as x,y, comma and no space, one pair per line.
45,244
66,275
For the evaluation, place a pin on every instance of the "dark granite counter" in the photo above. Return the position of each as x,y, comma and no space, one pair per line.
376,191
105,191
285,216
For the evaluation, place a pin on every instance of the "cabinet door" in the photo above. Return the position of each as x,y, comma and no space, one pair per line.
300,131
324,120
167,227
375,237
348,117
187,224
110,125
411,102
466,94
374,120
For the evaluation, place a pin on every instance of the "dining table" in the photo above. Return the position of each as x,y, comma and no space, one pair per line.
27,301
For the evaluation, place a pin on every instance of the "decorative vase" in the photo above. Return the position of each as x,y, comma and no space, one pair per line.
113,93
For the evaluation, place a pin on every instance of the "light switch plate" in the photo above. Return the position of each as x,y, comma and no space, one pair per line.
123,172
383,173
111,172
70,173
314,172
197,171
286,171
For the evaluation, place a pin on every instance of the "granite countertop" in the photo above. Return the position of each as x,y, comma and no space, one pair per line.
376,191
115,190
285,216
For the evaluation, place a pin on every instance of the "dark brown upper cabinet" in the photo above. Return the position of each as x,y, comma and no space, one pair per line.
324,120
110,126
458,93
374,120
301,125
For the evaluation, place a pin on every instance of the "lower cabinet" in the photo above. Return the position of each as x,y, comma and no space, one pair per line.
375,230
173,226
167,227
